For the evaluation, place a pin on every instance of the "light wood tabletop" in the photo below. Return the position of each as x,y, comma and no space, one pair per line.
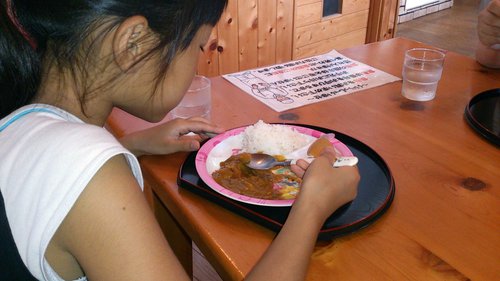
444,222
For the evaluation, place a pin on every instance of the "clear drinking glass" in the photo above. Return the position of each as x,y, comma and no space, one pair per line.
421,73
196,101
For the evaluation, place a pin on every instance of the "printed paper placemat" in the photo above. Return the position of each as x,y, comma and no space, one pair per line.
310,80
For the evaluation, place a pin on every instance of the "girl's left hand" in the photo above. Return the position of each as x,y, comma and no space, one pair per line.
170,137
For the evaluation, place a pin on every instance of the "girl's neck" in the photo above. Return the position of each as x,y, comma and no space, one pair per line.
61,91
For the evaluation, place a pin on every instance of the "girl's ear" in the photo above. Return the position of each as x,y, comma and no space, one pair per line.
129,43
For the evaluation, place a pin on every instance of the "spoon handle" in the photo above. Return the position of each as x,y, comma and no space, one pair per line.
283,163
339,162
345,161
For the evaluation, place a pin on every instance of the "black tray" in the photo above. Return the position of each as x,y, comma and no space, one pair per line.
483,115
375,193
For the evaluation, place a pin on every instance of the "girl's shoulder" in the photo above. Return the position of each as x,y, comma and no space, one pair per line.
52,130
48,159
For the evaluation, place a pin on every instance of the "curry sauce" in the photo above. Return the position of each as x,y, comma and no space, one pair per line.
265,184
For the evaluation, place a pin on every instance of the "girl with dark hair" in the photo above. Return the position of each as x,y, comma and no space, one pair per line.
72,192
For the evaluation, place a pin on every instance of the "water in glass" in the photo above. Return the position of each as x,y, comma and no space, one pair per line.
420,80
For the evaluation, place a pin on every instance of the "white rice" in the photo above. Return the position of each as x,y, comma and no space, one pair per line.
272,139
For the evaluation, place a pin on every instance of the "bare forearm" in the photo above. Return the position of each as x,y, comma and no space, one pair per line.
131,143
169,137
288,256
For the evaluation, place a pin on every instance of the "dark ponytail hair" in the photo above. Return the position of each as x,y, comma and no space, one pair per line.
19,66
57,29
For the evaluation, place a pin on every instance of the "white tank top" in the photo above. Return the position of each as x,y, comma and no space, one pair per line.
47,158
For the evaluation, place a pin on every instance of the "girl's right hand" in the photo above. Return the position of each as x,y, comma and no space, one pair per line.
325,188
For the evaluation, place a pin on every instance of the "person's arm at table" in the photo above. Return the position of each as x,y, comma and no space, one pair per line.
170,137
488,30
488,26
324,190
320,197
111,233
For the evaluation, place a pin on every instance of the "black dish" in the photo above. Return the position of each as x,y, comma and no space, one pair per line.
483,115
375,193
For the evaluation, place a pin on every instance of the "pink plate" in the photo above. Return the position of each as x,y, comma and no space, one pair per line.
221,147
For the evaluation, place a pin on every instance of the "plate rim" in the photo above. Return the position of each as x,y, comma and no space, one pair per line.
200,155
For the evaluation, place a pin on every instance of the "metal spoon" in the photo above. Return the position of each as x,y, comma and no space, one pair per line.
262,161
208,134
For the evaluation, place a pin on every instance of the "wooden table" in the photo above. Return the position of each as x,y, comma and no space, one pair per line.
444,223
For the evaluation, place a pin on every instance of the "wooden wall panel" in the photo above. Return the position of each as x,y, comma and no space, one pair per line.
228,39
247,37
383,20
332,27
255,33
392,21
304,2
315,34
208,62
308,14
339,42
266,46
284,30
352,6
248,33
